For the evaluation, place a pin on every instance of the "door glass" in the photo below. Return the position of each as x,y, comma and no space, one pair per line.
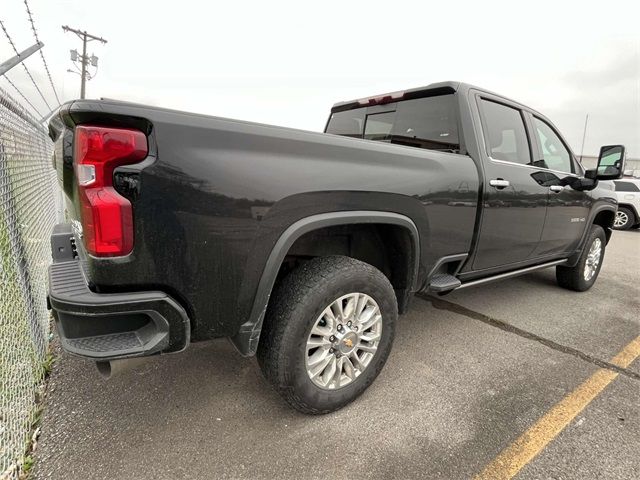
555,154
505,133
626,187
378,126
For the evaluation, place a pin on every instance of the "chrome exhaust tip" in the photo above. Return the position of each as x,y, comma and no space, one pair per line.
110,368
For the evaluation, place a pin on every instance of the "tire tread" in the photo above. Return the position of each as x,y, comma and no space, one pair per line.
288,295
572,278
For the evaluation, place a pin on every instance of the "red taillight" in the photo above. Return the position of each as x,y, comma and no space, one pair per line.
107,218
382,99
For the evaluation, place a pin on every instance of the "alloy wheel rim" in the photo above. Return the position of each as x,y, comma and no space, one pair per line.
343,341
621,219
593,259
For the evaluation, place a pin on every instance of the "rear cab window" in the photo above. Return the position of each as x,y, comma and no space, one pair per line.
429,123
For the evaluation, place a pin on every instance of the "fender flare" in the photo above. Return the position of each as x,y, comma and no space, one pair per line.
246,340
573,259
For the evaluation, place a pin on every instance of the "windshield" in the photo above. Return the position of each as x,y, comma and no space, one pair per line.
429,122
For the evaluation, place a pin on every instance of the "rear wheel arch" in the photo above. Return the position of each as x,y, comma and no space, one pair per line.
388,224
319,361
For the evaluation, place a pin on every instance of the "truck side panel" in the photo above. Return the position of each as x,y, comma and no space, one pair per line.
212,204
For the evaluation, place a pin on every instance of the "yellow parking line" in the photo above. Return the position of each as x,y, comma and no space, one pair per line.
513,458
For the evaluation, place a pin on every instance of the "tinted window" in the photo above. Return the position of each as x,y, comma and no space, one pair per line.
378,126
555,154
626,187
429,122
505,133
349,123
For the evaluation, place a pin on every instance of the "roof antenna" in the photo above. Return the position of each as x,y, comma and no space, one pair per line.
584,135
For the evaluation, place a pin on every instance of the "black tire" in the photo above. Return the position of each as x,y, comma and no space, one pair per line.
573,278
295,306
630,219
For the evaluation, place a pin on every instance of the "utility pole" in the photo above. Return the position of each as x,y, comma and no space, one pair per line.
84,59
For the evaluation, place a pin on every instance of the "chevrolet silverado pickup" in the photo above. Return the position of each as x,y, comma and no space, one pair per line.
302,248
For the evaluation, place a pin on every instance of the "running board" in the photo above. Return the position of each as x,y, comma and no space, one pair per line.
443,282
514,273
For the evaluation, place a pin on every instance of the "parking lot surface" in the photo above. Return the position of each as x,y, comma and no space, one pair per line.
469,374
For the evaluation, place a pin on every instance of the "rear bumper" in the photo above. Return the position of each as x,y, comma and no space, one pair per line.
113,325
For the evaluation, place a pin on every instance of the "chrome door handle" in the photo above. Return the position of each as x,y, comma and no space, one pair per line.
499,183
556,188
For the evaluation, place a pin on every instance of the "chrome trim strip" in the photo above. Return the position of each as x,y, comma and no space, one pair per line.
533,167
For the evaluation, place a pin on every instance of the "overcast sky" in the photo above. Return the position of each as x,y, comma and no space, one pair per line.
287,62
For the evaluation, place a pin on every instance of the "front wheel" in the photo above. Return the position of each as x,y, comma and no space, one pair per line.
582,276
328,332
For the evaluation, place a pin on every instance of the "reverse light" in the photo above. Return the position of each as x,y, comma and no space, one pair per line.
86,174
107,216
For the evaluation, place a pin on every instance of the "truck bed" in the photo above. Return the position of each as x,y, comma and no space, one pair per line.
216,194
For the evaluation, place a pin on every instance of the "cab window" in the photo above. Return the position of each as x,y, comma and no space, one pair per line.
429,122
378,126
555,155
505,133
348,124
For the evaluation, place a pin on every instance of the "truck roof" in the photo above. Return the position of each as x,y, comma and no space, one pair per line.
433,89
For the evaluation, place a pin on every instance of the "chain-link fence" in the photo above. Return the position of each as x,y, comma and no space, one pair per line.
30,204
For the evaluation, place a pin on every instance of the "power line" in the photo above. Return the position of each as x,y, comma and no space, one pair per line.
25,67
21,94
46,67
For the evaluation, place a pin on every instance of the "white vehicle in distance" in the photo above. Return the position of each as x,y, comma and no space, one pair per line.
628,194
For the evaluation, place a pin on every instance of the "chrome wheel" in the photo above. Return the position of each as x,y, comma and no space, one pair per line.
343,341
593,259
621,219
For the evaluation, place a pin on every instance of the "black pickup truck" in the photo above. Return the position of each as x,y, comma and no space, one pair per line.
303,247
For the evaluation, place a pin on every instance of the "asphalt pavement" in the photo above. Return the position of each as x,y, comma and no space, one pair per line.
469,374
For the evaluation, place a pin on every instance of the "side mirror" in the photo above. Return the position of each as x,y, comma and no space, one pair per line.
581,184
611,162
